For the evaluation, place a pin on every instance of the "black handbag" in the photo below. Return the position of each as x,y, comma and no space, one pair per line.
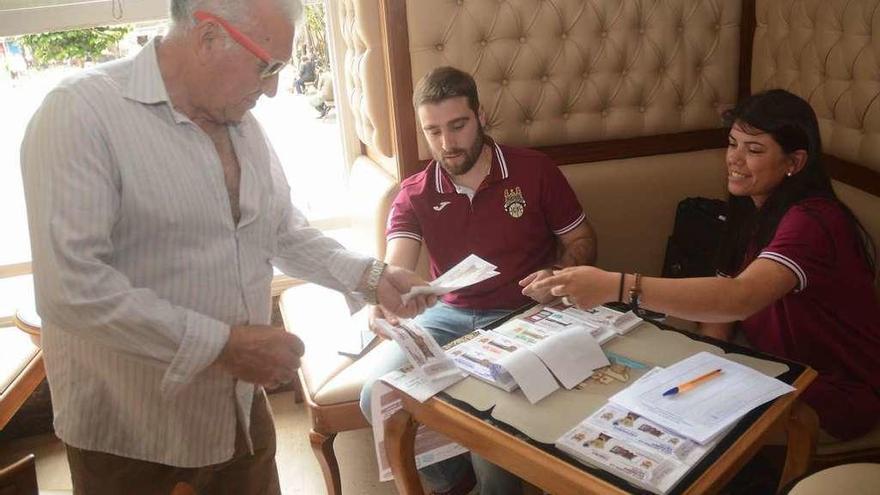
690,250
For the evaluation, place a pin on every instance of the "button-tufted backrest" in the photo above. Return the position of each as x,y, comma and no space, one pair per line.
827,53
555,72
364,78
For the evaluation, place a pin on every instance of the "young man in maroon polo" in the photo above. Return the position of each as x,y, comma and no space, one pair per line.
509,206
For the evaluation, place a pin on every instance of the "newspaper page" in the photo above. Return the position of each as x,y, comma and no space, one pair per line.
430,447
420,348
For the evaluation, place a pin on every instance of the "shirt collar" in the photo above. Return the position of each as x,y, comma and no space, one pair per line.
145,83
497,170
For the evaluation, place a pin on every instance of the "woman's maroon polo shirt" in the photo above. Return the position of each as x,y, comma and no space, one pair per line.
831,321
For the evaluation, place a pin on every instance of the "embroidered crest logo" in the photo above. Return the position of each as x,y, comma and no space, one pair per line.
514,203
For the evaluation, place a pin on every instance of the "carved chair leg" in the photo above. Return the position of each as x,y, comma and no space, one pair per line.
322,446
802,430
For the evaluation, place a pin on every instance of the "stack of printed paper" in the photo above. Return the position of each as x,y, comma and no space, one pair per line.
468,271
702,413
632,447
532,353
478,351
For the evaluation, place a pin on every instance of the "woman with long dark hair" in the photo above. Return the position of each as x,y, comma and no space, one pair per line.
796,268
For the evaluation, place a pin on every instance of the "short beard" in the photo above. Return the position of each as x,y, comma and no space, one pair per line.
471,155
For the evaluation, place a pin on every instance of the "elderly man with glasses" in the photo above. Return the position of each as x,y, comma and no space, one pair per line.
157,210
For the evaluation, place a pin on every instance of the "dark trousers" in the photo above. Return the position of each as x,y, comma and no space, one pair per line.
99,473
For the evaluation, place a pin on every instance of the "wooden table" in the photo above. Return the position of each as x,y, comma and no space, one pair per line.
549,469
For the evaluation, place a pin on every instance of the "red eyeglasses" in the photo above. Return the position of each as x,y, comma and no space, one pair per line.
273,65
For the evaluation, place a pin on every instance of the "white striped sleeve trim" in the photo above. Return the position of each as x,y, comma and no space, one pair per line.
407,235
790,264
572,225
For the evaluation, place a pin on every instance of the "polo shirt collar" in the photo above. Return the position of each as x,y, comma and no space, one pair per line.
497,170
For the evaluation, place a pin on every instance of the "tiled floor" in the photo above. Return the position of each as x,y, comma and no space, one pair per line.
298,469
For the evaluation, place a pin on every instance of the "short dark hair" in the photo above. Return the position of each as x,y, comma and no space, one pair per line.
443,83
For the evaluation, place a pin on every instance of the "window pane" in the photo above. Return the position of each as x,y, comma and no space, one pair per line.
309,148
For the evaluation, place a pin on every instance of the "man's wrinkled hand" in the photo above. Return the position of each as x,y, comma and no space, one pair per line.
530,288
262,354
394,283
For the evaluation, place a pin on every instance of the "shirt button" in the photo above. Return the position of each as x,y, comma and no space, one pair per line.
439,47
544,78
484,42
522,39
504,82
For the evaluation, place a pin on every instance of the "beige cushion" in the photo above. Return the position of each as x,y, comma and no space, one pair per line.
866,207
631,203
849,479
363,81
16,351
830,446
319,316
369,199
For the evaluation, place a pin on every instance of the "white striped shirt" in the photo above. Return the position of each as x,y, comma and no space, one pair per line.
140,270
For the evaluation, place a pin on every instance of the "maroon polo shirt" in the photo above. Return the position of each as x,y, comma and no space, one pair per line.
512,222
831,321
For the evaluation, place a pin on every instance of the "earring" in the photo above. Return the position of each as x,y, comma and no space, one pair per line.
788,174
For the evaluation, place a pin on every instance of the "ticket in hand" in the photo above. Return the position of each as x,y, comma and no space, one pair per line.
468,271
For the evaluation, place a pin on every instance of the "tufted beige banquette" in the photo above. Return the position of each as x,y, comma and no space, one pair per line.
624,95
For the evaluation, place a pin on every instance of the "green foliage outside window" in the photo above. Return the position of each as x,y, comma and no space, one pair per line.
77,46
316,26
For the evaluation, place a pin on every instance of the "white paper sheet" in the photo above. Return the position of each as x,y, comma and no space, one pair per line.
533,378
571,355
702,413
468,271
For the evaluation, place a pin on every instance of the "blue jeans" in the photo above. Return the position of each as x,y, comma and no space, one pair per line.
446,323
